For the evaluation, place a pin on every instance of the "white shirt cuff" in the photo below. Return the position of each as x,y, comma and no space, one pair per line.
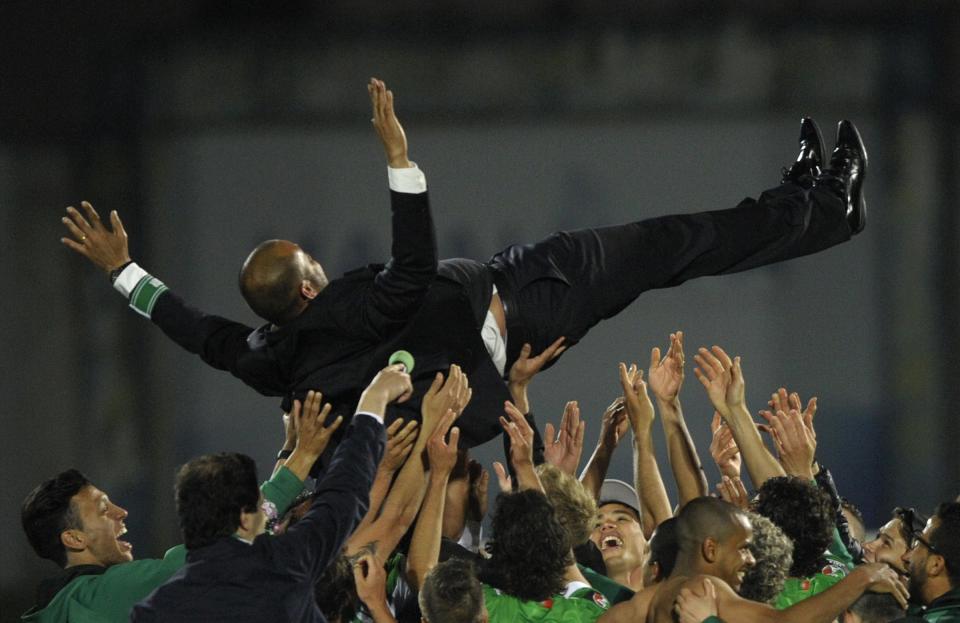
378,418
407,180
129,278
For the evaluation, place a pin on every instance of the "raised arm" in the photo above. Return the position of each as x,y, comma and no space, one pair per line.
402,284
649,484
723,449
564,446
521,448
308,438
613,428
518,380
722,377
341,495
400,441
425,546
404,499
666,378
218,341
312,437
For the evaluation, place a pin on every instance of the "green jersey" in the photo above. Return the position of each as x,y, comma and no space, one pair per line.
839,563
943,609
613,591
108,594
584,604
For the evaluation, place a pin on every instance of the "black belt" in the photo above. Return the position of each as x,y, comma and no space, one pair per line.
516,331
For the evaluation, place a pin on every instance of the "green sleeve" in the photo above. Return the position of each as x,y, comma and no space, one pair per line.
282,489
110,596
839,551
712,619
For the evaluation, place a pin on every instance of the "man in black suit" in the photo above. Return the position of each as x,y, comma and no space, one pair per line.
235,572
334,335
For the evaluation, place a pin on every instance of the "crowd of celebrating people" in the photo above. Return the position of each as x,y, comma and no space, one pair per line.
375,510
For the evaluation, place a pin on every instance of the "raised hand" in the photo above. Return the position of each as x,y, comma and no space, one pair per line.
526,367
665,375
106,248
479,485
564,448
441,453
387,125
391,384
503,477
613,424
400,441
722,378
521,437
453,394
733,491
307,437
781,400
308,421
636,399
796,445
723,449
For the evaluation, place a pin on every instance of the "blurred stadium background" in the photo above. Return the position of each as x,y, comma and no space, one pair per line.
211,125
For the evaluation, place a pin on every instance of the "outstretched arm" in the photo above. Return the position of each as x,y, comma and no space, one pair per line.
722,377
425,545
402,503
666,379
564,447
653,495
613,428
341,495
821,608
521,448
218,341
400,287
400,441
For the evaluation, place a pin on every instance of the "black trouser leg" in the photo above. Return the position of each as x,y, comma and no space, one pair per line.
570,281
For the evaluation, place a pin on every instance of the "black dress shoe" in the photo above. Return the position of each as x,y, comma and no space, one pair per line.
807,166
846,172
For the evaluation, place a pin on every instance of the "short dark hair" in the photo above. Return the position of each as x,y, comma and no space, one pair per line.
451,593
854,511
211,492
909,523
664,546
773,552
705,517
946,539
48,511
336,593
530,549
269,285
877,608
805,513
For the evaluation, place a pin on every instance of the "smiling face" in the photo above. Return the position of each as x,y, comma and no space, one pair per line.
734,557
916,561
97,542
889,546
619,538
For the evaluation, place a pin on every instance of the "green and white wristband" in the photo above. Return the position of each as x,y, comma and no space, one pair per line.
140,288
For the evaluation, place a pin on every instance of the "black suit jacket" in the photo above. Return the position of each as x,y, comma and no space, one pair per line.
347,333
273,579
